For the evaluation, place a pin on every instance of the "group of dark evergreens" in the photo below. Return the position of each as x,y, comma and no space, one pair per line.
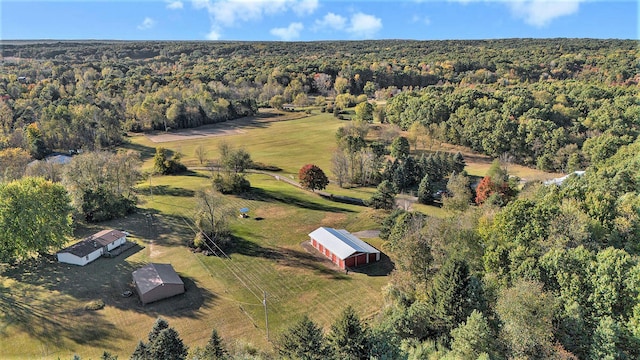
533,272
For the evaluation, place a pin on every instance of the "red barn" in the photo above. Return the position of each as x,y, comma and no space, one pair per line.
343,248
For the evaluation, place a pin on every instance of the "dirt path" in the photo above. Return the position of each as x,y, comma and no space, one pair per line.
230,127
221,129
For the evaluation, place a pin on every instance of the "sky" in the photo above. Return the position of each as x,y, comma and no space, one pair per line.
312,20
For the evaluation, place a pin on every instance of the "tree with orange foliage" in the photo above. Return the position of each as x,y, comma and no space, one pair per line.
312,177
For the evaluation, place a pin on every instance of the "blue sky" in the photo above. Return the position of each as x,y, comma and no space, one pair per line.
309,20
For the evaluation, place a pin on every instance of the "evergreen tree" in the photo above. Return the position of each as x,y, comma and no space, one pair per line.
215,348
458,162
108,356
349,337
141,352
304,340
167,345
451,297
384,197
472,338
158,326
425,194
400,178
400,147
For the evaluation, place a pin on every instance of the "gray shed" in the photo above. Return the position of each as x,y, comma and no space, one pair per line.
156,282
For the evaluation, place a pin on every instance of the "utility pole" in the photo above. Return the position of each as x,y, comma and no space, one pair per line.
266,314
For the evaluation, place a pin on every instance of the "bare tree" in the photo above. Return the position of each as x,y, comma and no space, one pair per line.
201,154
506,160
211,218
340,166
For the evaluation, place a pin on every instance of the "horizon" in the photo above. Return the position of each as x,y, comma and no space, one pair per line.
316,20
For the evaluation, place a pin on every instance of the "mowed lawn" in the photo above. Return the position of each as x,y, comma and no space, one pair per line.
42,313
42,304
288,144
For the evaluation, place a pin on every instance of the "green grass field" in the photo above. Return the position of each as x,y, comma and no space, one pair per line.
42,304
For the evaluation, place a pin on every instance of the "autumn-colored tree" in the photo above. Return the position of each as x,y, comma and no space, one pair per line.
312,177
484,190
496,187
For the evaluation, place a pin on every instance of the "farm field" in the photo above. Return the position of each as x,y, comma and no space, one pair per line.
42,307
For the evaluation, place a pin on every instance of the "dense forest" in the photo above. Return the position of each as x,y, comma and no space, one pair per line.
540,271
552,103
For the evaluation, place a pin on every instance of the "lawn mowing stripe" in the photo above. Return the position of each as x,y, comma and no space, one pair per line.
319,303
220,250
249,276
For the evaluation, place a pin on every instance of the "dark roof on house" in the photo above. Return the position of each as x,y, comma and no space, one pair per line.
341,242
92,243
153,275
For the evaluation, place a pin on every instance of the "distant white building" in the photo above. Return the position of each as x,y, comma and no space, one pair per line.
91,248
560,180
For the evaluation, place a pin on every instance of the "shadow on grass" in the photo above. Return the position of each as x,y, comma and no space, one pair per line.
105,279
272,196
50,319
384,267
286,257
165,190
146,152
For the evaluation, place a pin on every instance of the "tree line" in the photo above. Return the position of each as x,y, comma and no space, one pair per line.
85,95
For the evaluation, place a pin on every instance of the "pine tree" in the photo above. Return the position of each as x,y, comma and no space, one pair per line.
349,337
141,352
167,346
304,340
215,348
458,162
108,356
472,338
158,326
425,195
384,197
450,297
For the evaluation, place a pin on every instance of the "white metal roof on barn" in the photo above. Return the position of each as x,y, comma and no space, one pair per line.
341,242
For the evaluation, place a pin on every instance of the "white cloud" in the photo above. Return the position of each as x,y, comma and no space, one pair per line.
364,25
536,12
332,21
289,33
231,12
421,19
147,23
541,12
214,34
305,7
174,5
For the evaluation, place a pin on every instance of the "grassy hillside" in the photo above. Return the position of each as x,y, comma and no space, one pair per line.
42,304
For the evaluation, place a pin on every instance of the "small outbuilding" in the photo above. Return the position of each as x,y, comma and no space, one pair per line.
156,282
343,248
92,247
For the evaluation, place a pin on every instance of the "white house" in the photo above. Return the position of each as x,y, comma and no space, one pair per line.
560,180
91,248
